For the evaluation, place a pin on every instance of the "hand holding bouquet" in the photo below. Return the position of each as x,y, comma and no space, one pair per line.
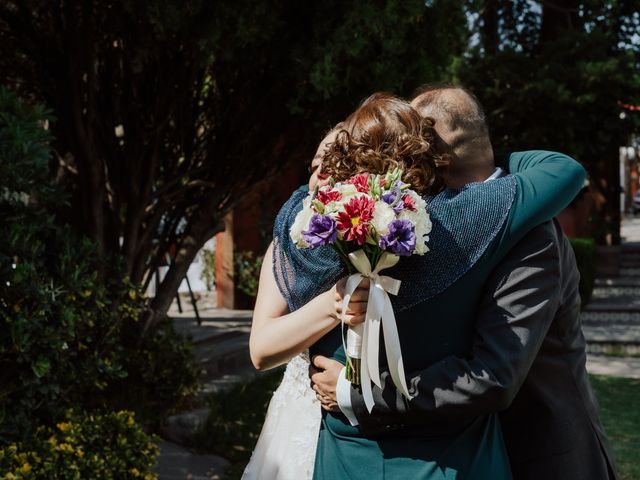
371,221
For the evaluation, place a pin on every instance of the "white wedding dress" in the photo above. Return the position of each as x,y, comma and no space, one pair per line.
286,448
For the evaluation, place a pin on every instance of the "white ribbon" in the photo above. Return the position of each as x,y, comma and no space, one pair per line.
363,340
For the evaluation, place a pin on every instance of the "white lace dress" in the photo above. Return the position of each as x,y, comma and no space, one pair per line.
286,449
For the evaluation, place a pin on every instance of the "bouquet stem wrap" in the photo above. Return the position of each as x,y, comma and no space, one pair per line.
363,341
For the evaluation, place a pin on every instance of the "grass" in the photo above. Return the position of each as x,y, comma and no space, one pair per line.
237,415
619,409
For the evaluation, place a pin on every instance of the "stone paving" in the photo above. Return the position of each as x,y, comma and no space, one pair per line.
611,322
221,348
177,463
630,229
628,367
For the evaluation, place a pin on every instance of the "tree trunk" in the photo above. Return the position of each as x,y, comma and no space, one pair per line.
489,29
203,227
176,273
557,17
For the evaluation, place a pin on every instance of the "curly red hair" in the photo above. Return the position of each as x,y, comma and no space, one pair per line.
383,133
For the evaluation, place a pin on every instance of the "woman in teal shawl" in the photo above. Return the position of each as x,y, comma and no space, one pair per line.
473,228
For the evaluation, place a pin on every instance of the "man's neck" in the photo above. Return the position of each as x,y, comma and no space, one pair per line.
458,181
497,173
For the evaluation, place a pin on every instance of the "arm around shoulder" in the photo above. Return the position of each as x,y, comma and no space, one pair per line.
518,305
546,183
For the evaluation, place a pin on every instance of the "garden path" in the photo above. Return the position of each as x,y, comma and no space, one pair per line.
611,322
221,348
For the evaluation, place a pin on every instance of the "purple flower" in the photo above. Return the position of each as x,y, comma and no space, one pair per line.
390,197
394,199
322,231
401,238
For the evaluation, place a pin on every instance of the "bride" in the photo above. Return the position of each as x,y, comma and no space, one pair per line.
286,447
300,295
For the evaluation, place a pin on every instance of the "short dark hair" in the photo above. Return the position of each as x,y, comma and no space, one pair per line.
468,137
431,95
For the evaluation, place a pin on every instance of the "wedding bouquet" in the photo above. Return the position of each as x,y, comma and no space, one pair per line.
371,221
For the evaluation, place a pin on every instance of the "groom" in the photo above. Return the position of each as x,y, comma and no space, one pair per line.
528,357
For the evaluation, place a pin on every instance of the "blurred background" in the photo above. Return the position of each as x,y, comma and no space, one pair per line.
146,147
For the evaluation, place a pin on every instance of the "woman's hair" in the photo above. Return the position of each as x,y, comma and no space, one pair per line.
383,133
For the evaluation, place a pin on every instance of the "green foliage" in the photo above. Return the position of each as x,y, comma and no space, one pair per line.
67,336
246,271
208,98
208,274
24,152
553,77
585,252
102,447
58,346
54,346
247,267
564,97
360,47
160,373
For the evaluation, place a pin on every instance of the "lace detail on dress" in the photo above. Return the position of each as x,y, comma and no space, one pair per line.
286,448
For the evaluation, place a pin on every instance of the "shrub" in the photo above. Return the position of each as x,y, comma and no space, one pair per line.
208,275
82,446
160,373
59,343
585,252
69,336
66,341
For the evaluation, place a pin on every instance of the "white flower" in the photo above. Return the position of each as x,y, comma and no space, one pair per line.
421,205
301,223
420,218
423,228
383,215
347,190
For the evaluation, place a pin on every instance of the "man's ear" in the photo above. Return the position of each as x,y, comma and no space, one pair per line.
429,121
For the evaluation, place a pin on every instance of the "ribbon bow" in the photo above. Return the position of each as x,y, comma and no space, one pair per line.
367,335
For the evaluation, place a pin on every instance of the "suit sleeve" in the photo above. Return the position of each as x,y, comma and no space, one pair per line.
518,306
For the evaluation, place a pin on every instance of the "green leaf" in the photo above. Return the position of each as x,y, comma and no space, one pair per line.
41,367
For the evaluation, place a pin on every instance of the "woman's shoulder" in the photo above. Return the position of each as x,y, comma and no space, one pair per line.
466,222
